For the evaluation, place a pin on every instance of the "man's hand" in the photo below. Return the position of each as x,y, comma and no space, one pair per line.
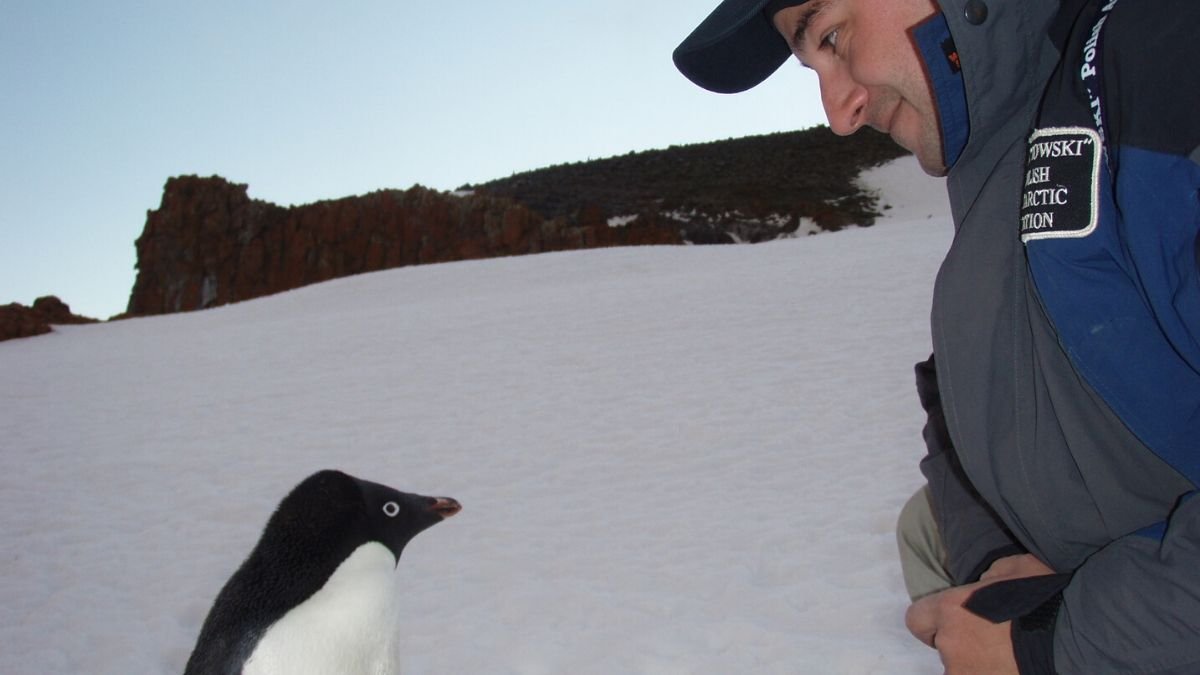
1015,567
968,644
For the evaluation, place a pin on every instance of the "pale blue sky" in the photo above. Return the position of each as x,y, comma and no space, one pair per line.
101,102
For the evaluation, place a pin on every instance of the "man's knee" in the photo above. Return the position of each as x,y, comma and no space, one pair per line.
922,554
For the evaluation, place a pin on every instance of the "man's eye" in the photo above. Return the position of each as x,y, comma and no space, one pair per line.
830,39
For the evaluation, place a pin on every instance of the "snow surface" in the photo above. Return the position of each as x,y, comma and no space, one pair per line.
621,221
671,459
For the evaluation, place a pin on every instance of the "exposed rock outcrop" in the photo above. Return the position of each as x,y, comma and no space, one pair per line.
210,244
18,321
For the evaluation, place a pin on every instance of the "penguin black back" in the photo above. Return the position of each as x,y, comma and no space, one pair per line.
316,527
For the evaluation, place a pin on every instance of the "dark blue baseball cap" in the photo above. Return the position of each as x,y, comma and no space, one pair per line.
736,47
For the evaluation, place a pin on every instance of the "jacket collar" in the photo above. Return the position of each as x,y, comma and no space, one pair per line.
1006,59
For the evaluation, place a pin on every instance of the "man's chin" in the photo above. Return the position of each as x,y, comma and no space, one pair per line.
938,171
931,163
928,154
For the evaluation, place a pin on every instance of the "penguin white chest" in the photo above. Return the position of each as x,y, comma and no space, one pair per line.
347,627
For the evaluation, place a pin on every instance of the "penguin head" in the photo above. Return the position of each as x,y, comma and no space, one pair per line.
393,518
337,512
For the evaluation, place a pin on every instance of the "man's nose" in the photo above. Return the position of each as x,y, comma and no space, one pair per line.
845,103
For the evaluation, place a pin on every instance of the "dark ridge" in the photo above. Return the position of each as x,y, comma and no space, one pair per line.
751,189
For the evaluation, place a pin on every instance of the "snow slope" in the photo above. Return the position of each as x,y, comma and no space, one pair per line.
671,459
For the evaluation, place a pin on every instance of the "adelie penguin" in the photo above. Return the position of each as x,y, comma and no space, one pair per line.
318,592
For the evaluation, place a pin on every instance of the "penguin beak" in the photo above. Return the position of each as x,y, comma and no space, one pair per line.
445,506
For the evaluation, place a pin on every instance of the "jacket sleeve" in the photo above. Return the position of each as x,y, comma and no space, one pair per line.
972,533
1134,607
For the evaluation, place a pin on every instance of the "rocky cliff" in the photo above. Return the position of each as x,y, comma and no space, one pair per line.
209,243
18,321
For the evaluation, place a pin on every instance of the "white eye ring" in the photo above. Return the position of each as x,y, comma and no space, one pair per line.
391,509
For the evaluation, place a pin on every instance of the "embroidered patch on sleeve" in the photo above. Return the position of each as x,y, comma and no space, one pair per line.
1061,193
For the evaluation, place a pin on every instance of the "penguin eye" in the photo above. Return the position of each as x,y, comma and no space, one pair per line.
390,509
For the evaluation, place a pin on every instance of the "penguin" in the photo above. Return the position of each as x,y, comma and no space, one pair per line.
317,593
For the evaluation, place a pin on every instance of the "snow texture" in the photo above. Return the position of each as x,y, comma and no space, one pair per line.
671,459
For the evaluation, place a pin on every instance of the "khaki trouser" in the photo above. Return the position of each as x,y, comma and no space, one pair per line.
922,554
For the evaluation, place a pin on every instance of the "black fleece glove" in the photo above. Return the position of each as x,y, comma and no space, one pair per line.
1031,603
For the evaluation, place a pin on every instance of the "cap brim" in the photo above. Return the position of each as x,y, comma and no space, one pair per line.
732,50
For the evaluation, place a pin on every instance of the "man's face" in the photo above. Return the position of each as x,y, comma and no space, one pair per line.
869,70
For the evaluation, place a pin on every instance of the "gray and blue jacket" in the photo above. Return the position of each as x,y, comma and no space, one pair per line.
1064,401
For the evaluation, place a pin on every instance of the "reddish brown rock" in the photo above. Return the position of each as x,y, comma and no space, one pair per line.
209,244
17,320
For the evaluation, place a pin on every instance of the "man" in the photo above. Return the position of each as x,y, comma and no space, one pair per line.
1058,533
